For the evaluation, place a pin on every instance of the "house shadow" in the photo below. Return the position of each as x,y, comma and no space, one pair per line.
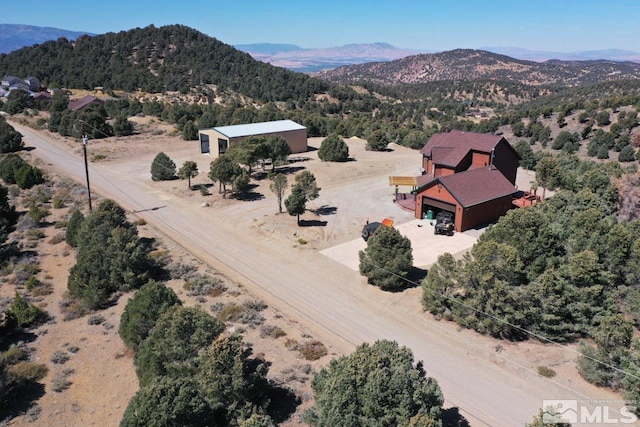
325,210
312,223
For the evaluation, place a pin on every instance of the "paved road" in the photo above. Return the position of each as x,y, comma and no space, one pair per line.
326,297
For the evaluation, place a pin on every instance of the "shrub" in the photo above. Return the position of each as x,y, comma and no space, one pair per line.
312,350
230,313
58,238
272,331
32,282
546,372
60,357
143,311
72,308
28,176
377,141
58,202
333,149
10,139
162,168
202,284
96,319
8,167
27,371
27,315
178,337
60,383
387,259
627,154
75,222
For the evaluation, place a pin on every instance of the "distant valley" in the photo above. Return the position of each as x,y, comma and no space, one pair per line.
304,60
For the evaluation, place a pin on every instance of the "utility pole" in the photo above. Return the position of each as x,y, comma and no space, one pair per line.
85,140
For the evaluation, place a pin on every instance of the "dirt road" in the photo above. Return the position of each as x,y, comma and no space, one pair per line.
325,296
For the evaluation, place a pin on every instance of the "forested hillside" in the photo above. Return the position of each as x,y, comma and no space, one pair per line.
154,59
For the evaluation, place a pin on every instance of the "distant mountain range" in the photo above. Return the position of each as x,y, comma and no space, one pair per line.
14,37
587,55
480,65
297,58
304,60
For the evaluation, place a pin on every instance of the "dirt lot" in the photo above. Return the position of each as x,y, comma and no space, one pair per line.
266,255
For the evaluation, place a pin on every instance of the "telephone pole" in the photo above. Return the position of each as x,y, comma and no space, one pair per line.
85,141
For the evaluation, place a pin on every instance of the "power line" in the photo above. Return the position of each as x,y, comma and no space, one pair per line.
505,322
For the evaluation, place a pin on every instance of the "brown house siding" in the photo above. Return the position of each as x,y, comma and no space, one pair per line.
506,161
483,213
480,159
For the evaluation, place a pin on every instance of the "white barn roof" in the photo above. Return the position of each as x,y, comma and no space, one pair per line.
236,131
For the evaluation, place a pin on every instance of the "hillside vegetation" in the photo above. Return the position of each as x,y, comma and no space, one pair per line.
154,59
471,65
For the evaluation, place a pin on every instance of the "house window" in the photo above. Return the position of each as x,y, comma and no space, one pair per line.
223,144
204,143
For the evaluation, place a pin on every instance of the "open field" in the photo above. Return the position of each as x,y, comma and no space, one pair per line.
493,382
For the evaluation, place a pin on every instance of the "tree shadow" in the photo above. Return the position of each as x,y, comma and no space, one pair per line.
283,403
451,417
288,170
298,159
312,223
249,196
325,210
416,276
259,175
19,399
15,337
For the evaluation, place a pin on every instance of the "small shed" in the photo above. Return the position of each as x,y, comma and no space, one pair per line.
216,141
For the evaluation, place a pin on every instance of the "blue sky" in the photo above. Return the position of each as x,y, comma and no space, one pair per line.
549,25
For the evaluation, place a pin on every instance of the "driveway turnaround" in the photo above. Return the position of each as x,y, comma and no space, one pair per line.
427,246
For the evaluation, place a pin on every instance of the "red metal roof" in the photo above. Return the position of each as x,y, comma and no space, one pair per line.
83,102
477,186
457,144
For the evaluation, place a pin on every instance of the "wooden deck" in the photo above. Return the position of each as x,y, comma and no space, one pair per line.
406,201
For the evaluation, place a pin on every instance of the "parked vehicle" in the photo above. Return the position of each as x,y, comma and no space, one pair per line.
444,223
370,228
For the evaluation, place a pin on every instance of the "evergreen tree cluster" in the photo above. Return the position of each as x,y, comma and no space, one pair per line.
565,269
168,58
15,170
189,374
111,257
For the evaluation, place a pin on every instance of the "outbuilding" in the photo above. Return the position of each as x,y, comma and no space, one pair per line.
217,140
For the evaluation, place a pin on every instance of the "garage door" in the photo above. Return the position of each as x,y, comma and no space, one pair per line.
427,201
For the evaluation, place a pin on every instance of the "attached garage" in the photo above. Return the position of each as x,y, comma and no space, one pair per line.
217,140
475,197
